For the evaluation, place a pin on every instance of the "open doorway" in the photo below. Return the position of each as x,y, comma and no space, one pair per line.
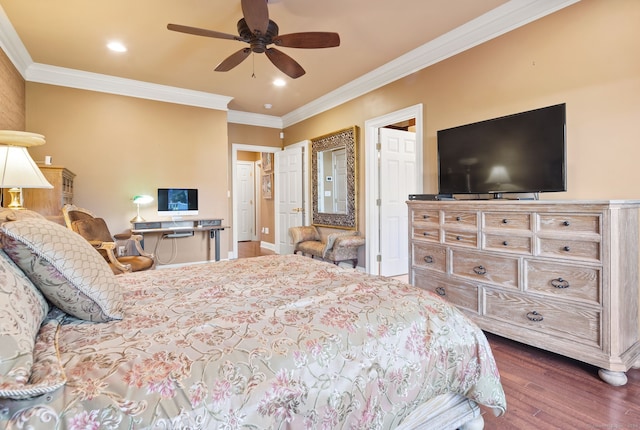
394,169
237,187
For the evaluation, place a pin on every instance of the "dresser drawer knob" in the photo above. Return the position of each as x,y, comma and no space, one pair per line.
458,218
458,237
424,233
534,316
505,243
441,291
425,216
505,221
480,270
567,248
428,259
560,283
566,223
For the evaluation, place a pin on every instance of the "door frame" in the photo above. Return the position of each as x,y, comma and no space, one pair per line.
235,147
372,178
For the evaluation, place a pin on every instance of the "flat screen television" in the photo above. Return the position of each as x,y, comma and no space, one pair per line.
519,153
177,201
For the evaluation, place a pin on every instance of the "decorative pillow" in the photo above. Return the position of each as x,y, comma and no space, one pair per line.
47,373
22,310
65,267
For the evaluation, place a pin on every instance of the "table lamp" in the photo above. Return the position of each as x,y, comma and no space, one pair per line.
140,200
17,168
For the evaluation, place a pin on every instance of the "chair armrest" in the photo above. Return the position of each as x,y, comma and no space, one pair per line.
137,240
336,240
303,234
108,247
349,242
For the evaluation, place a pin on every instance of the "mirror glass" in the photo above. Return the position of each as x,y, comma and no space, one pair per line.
333,173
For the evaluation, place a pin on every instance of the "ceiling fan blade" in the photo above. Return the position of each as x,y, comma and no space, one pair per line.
286,64
201,32
309,40
233,60
256,14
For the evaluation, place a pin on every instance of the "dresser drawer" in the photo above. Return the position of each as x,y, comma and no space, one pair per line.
430,232
569,223
461,218
459,294
576,324
426,215
499,270
571,282
587,250
506,220
432,257
508,243
461,238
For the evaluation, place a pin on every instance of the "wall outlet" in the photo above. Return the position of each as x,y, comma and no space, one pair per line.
266,230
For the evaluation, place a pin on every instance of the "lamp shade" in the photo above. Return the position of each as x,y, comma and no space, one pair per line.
142,200
17,168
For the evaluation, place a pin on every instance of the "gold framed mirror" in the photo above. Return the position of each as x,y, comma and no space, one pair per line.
334,179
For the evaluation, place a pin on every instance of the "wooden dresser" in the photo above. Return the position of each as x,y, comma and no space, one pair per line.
557,275
49,202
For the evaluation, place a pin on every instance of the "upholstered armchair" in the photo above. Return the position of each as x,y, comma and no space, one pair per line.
335,247
96,232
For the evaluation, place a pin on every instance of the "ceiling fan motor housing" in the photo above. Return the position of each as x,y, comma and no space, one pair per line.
258,41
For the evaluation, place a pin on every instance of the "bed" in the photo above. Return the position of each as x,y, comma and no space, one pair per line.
272,342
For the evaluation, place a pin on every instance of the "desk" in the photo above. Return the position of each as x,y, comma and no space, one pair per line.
184,228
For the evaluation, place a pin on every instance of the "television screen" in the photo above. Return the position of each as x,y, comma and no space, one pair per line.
177,201
520,153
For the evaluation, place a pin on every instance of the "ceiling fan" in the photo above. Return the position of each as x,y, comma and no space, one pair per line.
256,29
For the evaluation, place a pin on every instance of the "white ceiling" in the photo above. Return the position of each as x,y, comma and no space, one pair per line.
63,42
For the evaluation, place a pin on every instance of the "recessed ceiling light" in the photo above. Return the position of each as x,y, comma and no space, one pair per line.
117,47
279,82
268,105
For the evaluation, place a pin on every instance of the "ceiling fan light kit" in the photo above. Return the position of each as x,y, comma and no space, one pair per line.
256,29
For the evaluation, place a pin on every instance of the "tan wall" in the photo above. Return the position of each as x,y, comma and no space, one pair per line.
259,136
12,96
584,56
122,146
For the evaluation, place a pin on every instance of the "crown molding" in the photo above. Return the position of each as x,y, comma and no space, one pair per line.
53,75
501,20
492,24
12,45
257,119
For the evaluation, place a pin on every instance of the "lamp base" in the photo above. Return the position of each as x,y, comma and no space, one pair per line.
137,219
16,199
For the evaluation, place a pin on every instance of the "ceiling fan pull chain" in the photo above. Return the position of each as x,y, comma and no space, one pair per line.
253,65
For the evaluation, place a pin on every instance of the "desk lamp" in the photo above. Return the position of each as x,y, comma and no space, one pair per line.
17,168
140,200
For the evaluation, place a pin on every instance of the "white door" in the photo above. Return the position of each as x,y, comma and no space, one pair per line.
289,188
340,181
398,169
246,200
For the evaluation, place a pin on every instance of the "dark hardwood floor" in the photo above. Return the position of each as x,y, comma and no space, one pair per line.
545,390
251,249
548,391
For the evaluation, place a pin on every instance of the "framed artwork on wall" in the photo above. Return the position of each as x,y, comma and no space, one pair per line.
267,186
267,161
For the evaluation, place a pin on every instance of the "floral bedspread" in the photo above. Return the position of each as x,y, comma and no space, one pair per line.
270,342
